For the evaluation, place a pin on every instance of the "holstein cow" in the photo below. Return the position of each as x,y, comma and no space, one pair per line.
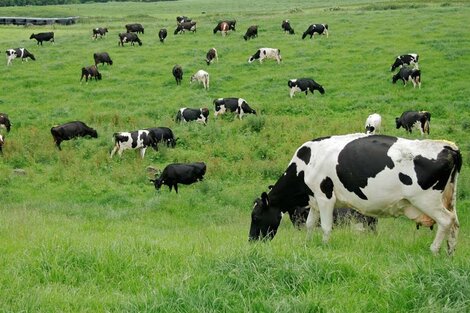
376,175
178,74
102,57
129,37
266,53
40,37
407,74
237,105
185,26
163,134
373,123
5,122
410,119
139,139
223,27
304,85
90,71
99,31
287,28
18,53
135,28
162,34
211,56
71,130
180,173
405,59
188,114
320,29
251,32
202,77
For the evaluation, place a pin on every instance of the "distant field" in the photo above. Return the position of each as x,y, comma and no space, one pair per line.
80,232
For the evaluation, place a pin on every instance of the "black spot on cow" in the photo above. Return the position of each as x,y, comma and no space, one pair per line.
134,136
326,187
355,167
304,154
405,179
320,139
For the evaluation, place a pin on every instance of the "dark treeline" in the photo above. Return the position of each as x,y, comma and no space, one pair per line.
6,3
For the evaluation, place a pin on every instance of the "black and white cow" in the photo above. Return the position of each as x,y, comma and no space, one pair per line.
135,28
202,77
90,71
223,27
405,59
373,123
376,175
102,57
180,173
71,130
182,19
406,74
129,37
266,53
185,26
5,122
211,55
410,119
320,29
99,31
164,135
138,139
178,74
237,105
40,37
162,34
18,53
304,85
287,28
188,114
251,32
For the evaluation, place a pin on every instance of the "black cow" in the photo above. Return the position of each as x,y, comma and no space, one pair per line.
304,85
139,139
287,28
182,19
188,114
251,32
5,121
90,71
180,173
102,57
408,74
405,59
410,119
99,31
135,28
40,37
162,34
164,134
18,53
185,26
237,105
321,29
129,37
71,130
211,55
178,74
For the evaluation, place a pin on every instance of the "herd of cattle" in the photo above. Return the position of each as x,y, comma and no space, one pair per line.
376,175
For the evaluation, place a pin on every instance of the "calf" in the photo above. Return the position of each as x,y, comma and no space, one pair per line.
185,26
266,53
5,122
71,130
320,29
237,105
40,37
163,134
188,114
223,27
408,74
211,56
304,85
373,123
162,34
139,139
99,31
135,28
180,173
129,37
202,77
410,119
405,59
287,28
90,71
251,32
102,57
18,53
178,74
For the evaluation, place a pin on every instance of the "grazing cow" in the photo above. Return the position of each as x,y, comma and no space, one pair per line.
373,123
18,53
251,32
185,26
223,27
40,37
90,71
135,28
376,175
5,122
182,19
320,29
71,130
129,37
237,105
410,119
266,53
304,85
99,31
139,139
408,74
102,57
405,59
163,134
188,114
180,173
2,142
178,74
211,56
287,28
202,77
162,34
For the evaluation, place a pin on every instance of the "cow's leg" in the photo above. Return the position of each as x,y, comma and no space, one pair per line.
116,147
291,92
176,187
313,216
57,143
326,207
142,152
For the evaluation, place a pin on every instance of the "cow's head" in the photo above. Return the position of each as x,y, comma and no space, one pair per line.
171,142
398,122
157,182
93,133
395,78
31,37
255,56
320,89
398,63
265,219
216,29
98,75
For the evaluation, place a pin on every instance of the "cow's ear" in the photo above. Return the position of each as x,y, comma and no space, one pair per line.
264,199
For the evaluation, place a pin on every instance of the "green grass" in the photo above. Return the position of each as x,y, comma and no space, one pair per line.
83,232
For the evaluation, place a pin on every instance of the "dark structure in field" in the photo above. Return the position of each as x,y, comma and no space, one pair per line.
8,20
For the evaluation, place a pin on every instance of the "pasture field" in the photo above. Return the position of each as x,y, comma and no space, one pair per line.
80,232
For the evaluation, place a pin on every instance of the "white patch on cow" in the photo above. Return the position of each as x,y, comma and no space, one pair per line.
293,90
222,110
